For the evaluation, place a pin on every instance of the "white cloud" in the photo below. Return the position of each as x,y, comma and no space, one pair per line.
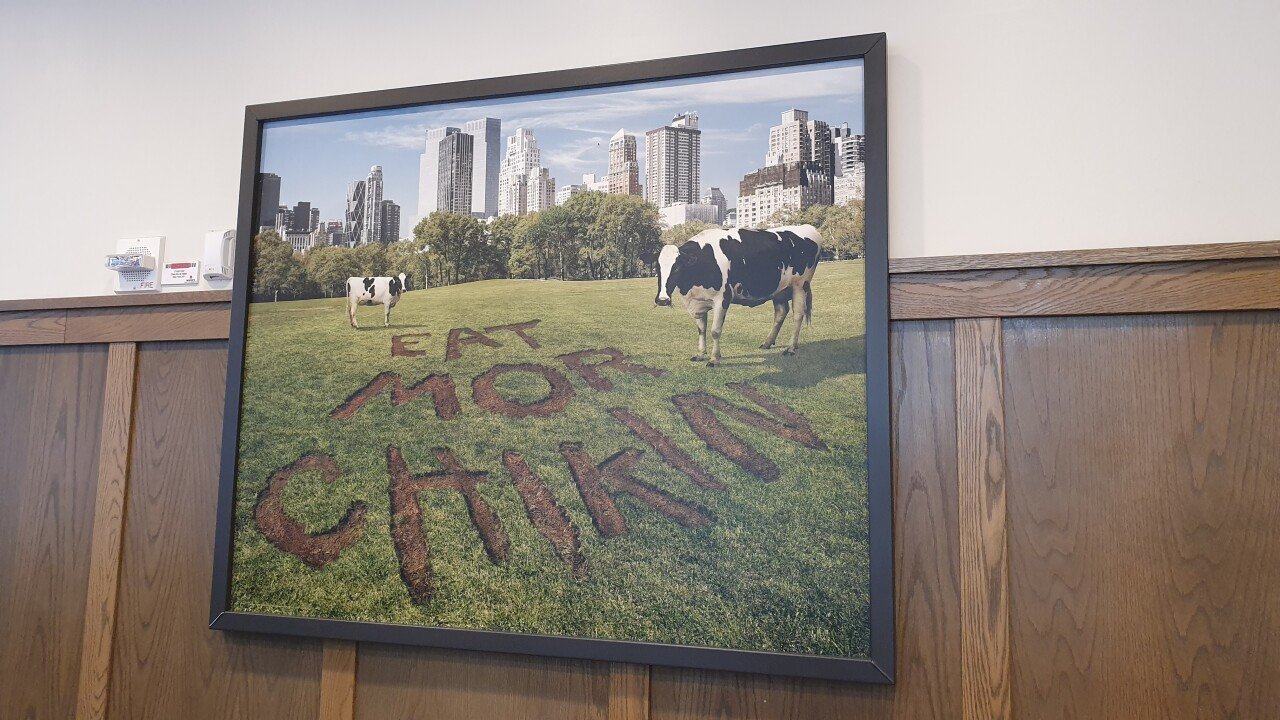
581,156
408,137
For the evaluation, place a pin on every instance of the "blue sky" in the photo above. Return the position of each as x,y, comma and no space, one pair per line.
316,158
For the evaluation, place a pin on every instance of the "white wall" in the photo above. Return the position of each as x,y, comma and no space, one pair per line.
1014,125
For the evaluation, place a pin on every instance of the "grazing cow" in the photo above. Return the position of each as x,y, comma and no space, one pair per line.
717,268
372,291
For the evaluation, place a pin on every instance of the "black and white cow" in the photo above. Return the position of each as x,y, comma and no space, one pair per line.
716,268
372,291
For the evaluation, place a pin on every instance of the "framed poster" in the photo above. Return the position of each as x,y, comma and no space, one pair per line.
588,364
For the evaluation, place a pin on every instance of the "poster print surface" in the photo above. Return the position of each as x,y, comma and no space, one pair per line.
588,364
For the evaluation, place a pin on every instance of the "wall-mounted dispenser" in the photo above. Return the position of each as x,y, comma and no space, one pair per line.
219,254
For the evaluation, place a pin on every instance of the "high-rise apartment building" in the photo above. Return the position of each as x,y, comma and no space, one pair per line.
300,218
390,221
792,185
848,149
372,201
454,173
524,186
624,166
355,213
674,156
714,197
268,198
429,171
486,136
799,139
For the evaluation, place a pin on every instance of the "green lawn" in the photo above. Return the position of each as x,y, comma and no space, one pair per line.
783,567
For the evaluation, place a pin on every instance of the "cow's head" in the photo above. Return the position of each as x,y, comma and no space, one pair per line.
397,284
678,269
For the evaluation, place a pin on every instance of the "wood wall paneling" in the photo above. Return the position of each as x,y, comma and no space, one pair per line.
926,578
43,327
408,682
338,680
204,321
108,530
982,480
1145,515
50,421
167,663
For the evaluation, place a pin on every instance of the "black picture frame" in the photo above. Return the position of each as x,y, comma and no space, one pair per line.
879,666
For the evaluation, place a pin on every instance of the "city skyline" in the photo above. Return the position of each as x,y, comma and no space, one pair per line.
318,158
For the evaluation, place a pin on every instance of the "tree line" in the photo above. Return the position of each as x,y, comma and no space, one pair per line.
592,236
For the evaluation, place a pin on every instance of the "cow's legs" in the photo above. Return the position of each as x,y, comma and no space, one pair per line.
717,324
386,315
799,297
780,307
351,313
701,319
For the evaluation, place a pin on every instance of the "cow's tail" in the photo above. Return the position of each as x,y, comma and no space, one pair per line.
808,303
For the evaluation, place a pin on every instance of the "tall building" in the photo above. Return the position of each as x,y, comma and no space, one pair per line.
595,185
799,139
674,156
454,173
624,167
372,200
429,171
268,198
283,220
355,213
681,213
390,221
792,185
713,196
524,186
848,150
300,218
315,219
487,154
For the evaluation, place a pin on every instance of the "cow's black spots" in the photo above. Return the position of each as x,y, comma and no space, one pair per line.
368,285
667,448
395,286
695,267
590,372
755,265
457,338
699,410
801,252
594,482
485,394
443,393
314,549
546,513
407,534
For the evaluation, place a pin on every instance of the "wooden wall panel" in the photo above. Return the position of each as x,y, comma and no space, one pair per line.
50,409
167,663
409,682
1145,515
927,572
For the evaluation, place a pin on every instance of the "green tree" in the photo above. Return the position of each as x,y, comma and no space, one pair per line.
405,256
677,234
453,244
631,229
328,268
276,271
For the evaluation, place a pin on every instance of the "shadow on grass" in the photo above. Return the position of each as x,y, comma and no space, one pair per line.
364,328
815,362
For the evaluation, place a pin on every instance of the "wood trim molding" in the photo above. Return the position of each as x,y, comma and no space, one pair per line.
1101,256
984,552
1197,278
338,680
108,533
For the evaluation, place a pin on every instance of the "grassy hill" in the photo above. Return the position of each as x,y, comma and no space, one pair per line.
782,566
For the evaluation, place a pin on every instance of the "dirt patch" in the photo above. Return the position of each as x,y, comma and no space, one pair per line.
443,394
314,549
667,448
699,410
453,347
399,348
519,329
615,473
485,394
546,513
407,534
590,372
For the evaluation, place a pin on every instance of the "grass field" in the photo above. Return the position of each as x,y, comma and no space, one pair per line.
783,567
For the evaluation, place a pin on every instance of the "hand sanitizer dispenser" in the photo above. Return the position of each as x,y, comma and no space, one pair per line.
219,254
